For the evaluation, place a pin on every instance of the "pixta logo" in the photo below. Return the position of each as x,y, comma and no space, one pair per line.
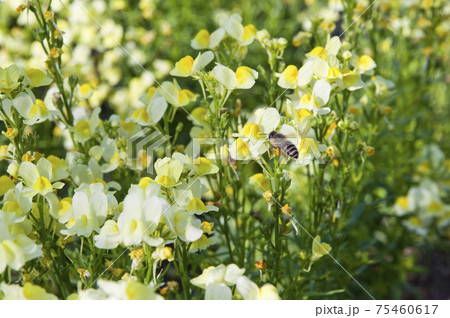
141,148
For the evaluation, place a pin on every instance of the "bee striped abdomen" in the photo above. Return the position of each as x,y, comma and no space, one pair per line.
291,150
280,141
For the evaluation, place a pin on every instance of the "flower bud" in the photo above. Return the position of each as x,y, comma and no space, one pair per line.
21,8
49,15
262,35
346,55
11,133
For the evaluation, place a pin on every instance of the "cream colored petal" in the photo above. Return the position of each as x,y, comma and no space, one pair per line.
225,76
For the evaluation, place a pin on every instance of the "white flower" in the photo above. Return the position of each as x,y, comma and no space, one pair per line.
316,100
232,25
89,210
244,78
141,216
216,281
183,224
121,290
168,171
153,113
15,249
250,291
109,236
198,167
31,109
27,292
253,138
18,195
175,95
38,177
365,65
85,128
204,40
187,66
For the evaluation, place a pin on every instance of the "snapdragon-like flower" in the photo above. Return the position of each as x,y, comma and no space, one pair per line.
254,136
174,95
31,109
168,171
243,78
20,198
319,248
232,24
199,166
15,247
204,40
365,65
187,66
27,292
121,290
217,281
109,236
331,48
156,107
350,80
9,78
250,291
38,178
182,224
89,210
85,128
142,211
315,100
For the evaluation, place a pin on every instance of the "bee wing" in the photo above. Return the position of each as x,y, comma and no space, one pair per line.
291,134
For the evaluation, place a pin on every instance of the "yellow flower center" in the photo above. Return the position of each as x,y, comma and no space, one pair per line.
366,62
206,227
42,186
302,113
64,207
242,147
185,64
415,221
129,127
166,181
243,74
260,181
290,74
202,38
85,90
12,206
203,165
185,96
318,51
39,109
249,32
83,128
151,91
196,205
144,183
252,130
141,115
199,114
333,72
309,100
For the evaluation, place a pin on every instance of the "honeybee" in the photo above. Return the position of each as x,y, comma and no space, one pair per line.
279,141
